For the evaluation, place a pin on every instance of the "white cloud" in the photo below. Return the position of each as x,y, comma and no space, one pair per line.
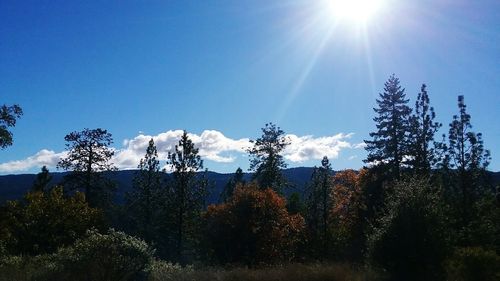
213,145
309,148
42,158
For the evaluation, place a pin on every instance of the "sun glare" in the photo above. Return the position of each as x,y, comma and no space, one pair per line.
355,10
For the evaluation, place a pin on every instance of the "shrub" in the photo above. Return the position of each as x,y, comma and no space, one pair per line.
111,256
473,263
409,239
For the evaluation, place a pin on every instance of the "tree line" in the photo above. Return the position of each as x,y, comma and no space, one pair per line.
423,207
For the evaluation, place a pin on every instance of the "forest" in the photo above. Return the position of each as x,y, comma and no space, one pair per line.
422,208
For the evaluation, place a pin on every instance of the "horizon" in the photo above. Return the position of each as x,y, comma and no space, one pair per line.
223,71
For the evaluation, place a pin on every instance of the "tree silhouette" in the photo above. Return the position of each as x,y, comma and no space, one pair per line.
42,180
236,179
143,202
8,118
186,192
390,142
266,160
88,156
422,130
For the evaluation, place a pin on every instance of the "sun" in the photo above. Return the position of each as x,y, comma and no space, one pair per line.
359,11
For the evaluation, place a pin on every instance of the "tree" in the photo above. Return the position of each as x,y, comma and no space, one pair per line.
142,202
46,221
390,142
42,180
319,207
410,238
422,130
236,179
253,228
186,192
266,161
89,155
8,118
468,156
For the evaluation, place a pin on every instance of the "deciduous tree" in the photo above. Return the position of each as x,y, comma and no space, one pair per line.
8,118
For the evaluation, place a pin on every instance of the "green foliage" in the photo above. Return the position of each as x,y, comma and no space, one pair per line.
46,221
319,210
8,118
473,263
42,180
410,238
88,156
390,142
144,202
254,227
228,191
266,160
294,204
422,130
186,197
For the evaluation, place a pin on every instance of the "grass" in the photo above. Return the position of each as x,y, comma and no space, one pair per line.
292,272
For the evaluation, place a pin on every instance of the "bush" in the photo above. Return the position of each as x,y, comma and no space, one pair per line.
473,263
111,256
410,238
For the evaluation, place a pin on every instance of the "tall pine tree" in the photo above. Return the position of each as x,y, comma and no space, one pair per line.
42,180
142,202
236,179
187,193
422,130
389,145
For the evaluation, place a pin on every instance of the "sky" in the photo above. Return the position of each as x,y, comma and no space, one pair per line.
223,69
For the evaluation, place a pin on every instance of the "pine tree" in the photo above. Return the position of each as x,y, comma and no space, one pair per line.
42,180
390,142
319,206
8,118
467,155
422,132
143,202
88,156
266,159
187,193
235,180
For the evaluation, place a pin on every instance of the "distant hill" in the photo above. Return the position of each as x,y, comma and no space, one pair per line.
15,186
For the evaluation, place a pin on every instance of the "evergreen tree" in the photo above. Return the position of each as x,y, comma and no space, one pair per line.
390,142
236,179
467,155
187,193
88,156
143,201
319,207
8,118
266,161
422,132
42,180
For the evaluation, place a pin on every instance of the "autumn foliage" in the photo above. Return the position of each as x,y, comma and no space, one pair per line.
253,227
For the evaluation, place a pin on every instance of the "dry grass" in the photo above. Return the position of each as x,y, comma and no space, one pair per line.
292,272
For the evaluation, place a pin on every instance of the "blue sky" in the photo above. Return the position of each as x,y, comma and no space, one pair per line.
148,68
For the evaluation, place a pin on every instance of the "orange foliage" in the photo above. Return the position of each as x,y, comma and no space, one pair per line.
253,227
347,196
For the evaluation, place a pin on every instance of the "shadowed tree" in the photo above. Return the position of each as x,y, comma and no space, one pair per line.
422,130
468,156
88,156
143,202
389,145
319,207
42,180
266,160
236,179
186,193
8,118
